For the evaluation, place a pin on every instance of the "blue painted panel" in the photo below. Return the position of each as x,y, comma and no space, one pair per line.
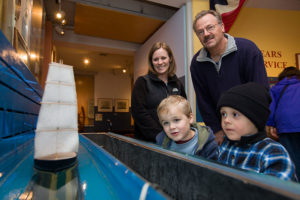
30,122
12,144
20,93
16,123
23,122
1,123
11,59
16,168
12,81
16,183
7,125
9,99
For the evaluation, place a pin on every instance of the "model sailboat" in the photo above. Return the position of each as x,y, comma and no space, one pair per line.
56,139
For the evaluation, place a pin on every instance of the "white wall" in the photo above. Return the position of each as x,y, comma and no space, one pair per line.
173,33
110,85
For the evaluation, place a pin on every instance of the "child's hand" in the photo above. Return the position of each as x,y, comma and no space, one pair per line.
272,132
219,137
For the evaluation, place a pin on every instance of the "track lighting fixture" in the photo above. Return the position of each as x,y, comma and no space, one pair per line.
60,16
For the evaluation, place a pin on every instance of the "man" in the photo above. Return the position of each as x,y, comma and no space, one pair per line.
223,62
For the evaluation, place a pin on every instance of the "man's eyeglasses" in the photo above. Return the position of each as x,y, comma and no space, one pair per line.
209,28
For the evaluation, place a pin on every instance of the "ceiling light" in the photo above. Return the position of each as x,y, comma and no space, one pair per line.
23,57
63,22
124,71
86,61
33,56
59,15
59,30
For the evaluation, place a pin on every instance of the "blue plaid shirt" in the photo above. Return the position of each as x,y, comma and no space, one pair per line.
258,154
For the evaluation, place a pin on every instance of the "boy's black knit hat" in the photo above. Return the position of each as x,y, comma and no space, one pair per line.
251,99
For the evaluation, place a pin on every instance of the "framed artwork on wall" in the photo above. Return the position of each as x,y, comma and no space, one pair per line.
104,104
23,12
121,105
7,19
298,60
98,117
90,109
21,47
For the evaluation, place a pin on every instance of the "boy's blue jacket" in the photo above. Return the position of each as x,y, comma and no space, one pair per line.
207,146
286,118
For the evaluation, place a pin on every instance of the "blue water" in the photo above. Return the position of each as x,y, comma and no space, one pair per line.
97,175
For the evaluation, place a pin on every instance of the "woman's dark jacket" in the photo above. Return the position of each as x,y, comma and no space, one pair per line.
147,93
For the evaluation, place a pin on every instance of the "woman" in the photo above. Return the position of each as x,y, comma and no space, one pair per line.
149,90
285,113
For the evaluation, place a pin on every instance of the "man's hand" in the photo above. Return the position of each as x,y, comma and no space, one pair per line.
219,136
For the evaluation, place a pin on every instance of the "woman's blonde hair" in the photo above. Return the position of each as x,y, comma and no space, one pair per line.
172,65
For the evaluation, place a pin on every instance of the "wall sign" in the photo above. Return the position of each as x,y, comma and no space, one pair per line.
273,59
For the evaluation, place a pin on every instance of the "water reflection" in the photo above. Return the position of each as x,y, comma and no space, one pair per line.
45,185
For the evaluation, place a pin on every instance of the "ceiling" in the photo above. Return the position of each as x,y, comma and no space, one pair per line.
129,21
99,60
113,24
98,28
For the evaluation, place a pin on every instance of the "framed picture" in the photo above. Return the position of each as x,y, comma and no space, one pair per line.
98,117
121,105
90,109
7,19
104,105
298,60
23,12
21,47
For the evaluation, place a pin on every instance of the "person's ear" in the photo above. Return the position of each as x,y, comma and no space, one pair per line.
223,27
191,118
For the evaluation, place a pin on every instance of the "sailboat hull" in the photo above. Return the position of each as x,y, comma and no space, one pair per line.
55,163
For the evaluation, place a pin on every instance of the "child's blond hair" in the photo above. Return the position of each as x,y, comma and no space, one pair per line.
174,100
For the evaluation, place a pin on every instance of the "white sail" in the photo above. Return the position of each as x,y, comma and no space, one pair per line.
57,133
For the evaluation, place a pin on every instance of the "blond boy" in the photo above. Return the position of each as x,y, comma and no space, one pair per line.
180,133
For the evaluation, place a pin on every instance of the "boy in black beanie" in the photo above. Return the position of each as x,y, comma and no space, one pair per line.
244,111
